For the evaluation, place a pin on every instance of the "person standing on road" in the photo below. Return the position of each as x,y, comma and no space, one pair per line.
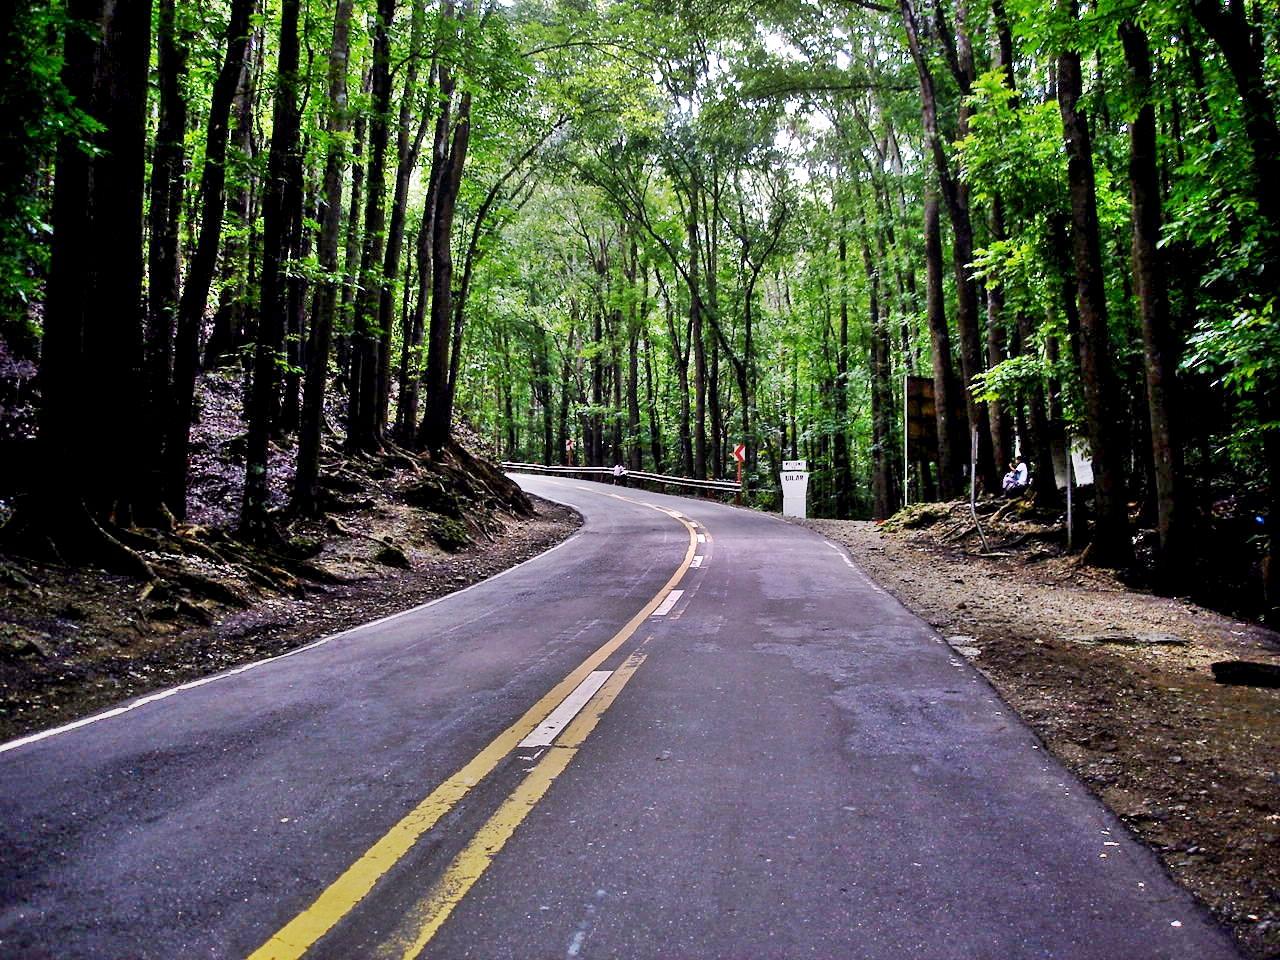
619,475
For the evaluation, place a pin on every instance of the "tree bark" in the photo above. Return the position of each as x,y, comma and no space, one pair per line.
997,412
279,205
163,264
408,145
882,459
364,432
1111,545
437,424
307,474
200,270
1158,337
651,404
950,448
955,193
696,338
840,435
113,335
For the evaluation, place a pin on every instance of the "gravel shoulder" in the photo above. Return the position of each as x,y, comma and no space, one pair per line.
1118,685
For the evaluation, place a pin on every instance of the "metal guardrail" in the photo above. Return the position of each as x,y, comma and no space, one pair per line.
660,479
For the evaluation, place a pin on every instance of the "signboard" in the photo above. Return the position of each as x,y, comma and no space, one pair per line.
740,453
921,415
795,488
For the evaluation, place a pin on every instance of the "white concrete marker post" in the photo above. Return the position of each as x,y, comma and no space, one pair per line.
795,488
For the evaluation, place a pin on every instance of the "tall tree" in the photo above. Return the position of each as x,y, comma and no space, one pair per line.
364,431
281,203
306,477
1151,289
203,261
1111,545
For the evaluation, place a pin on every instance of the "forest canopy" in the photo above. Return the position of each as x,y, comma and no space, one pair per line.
641,232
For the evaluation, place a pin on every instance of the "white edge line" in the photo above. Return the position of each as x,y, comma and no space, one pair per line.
857,569
546,732
245,667
702,538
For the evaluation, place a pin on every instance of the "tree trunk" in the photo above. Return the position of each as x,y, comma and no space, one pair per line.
364,432
840,436
882,460
408,146
997,411
950,448
351,254
229,331
113,334
163,266
451,154
651,404
1158,337
283,172
411,365
56,512
200,270
1111,545
307,474
955,193
696,338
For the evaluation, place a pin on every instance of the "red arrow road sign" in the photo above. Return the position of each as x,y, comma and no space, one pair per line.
740,453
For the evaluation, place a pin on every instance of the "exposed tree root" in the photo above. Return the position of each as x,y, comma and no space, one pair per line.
69,534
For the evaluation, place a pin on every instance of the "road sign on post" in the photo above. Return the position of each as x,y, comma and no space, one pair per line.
740,454
795,488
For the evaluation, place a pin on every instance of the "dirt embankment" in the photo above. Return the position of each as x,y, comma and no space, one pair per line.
1118,685
76,641
398,529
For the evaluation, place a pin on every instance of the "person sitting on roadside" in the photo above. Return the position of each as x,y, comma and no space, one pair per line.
1016,479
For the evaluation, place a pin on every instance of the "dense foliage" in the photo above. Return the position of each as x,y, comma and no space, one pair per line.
642,231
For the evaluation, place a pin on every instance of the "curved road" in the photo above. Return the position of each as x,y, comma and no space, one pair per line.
691,731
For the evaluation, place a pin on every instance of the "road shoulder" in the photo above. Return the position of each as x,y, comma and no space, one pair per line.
1188,764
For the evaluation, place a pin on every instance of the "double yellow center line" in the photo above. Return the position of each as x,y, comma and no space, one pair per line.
296,937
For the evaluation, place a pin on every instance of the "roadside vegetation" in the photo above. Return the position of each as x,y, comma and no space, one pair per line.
641,232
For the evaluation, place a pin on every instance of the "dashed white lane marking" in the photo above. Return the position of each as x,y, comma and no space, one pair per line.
244,668
696,562
702,538
665,607
547,731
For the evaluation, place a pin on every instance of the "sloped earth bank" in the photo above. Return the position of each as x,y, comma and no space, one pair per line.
75,641
399,529
1118,685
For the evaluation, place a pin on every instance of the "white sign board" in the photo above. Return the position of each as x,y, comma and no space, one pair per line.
1081,465
795,487
794,466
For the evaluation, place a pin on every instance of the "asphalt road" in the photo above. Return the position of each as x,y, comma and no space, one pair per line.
776,761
